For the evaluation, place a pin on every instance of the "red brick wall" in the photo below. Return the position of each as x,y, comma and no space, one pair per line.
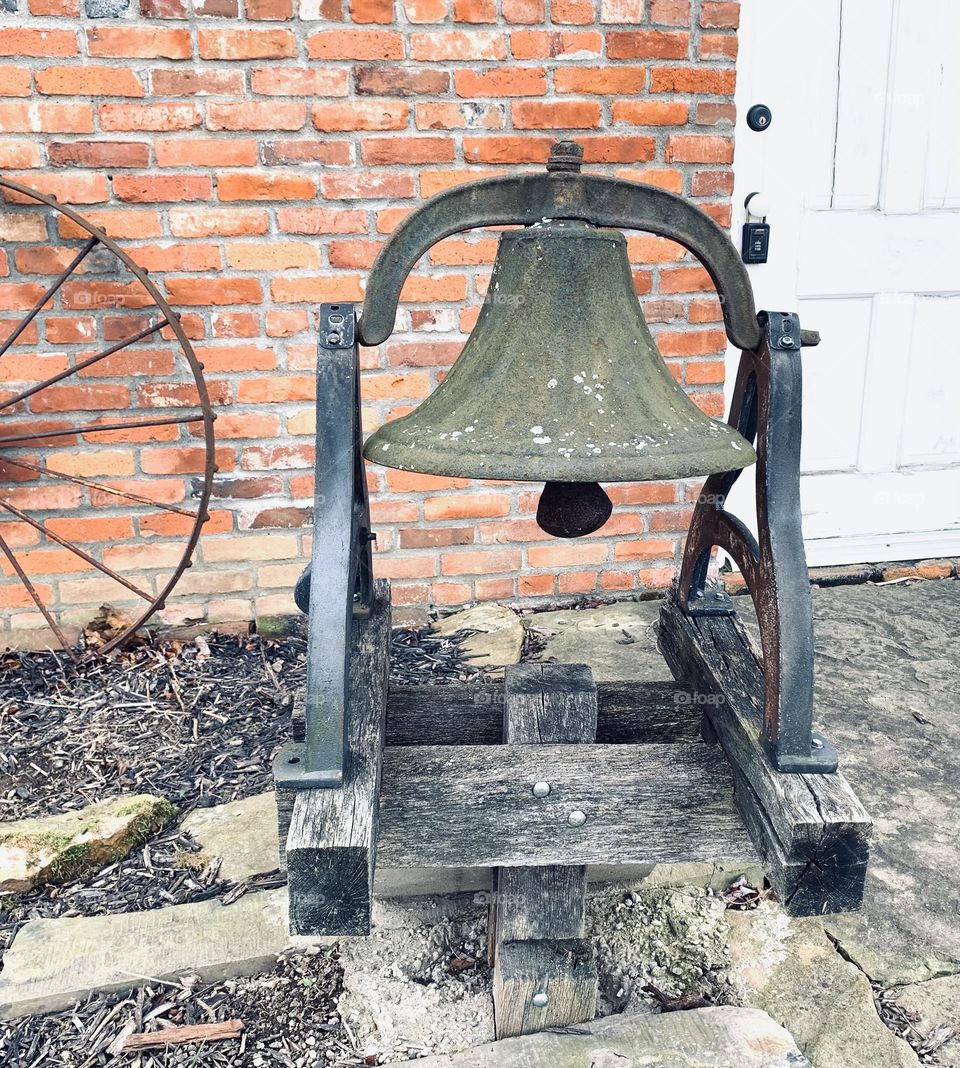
256,157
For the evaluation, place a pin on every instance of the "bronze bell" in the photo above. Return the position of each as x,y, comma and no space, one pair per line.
561,382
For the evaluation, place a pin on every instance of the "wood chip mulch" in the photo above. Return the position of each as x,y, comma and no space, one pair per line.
289,1018
197,722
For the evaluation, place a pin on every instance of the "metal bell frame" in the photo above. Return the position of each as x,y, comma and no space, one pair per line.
766,409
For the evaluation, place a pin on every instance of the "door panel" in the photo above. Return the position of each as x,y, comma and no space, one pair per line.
861,167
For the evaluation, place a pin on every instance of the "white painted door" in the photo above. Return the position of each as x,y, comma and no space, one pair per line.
860,168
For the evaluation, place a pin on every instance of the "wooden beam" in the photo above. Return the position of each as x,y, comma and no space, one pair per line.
473,806
544,970
472,714
811,831
332,837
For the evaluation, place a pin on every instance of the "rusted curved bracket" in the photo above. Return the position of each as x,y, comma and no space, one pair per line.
767,405
529,198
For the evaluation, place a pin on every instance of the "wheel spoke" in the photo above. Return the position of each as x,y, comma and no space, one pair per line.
133,424
31,315
21,574
80,481
83,364
37,525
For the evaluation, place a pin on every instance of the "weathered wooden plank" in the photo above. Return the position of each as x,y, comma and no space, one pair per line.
178,1036
561,970
473,806
332,840
810,830
537,914
472,714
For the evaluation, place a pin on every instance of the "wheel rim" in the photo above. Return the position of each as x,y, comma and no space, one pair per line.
34,426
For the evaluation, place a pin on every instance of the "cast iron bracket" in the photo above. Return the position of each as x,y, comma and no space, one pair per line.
766,409
335,588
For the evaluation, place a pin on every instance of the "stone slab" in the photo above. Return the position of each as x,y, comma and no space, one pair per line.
789,968
55,962
242,833
701,1038
937,1004
499,638
617,641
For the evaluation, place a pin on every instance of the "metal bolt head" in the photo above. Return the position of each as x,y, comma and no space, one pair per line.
541,789
577,818
541,1000
816,743
786,342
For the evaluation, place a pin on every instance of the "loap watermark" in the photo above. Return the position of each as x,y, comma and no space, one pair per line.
695,697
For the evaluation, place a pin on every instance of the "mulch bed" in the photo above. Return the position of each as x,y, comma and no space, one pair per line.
289,1015
195,721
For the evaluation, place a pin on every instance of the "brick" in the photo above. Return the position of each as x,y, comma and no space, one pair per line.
556,115
606,81
22,117
75,188
320,221
197,291
650,112
361,186
355,44
316,289
685,280
271,256
158,117
204,152
483,562
269,10
458,116
518,149
713,114
719,15
712,183
487,589
217,9
557,44
361,115
424,11
203,82
526,12
17,154
249,547
400,81
643,549
717,46
458,46
44,44
379,151
466,506
14,81
670,12
270,187
501,82
164,9
97,154
577,552
621,10
139,43
648,44
333,153
692,80
53,8
618,149
573,12
300,81
222,222
246,44
148,189
475,11
88,80
699,149
256,115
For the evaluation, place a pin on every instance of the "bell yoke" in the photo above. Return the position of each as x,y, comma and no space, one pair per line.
561,382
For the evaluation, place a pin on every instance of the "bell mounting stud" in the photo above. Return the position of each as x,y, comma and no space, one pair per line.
536,777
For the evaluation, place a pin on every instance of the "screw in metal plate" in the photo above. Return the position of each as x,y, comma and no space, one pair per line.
541,789
577,818
541,1000
786,342
816,743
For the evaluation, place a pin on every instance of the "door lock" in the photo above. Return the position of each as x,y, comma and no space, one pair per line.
756,235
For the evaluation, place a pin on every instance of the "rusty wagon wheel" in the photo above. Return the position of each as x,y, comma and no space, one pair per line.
104,414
